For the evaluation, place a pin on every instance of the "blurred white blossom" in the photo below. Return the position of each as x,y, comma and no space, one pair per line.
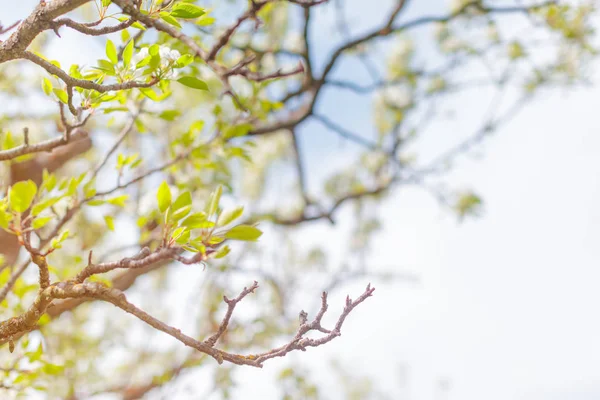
167,54
168,58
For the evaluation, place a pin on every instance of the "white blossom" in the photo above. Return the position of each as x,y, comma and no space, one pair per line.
168,54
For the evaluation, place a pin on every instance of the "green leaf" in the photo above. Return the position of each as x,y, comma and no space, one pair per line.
118,201
35,355
44,319
184,60
149,93
53,369
213,204
5,218
139,26
190,249
110,222
164,197
197,221
184,238
154,50
215,240
21,195
111,52
169,115
199,246
125,35
182,206
57,242
72,188
143,62
205,21
96,202
243,232
193,82
237,130
223,251
89,189
180,231
8,142
187,11
169,20
127,53
228,216
61,95
40,222
42,205
48,181
47,86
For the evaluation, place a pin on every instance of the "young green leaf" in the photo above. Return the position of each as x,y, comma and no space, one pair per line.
110,222
5,218
164,197
184,238
127,53
184,60
186,10
193,82
177,233
96,202
169,115
57,242
42,205
61,95
40,222
118,201
243,232
196,221
125,35
8,142
223,251
139,26
154,50
89,189
47,86
169,19
111,52
228,216
48,181
21,195
181,206
213,204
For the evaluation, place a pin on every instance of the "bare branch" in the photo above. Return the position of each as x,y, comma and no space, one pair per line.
68,290
86,29
231,303
299,342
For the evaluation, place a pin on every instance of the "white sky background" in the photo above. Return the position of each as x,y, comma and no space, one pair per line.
507,305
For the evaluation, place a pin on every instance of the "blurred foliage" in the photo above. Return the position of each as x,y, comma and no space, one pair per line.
201,140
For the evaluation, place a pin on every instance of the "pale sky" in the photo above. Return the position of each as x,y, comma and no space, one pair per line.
507,304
